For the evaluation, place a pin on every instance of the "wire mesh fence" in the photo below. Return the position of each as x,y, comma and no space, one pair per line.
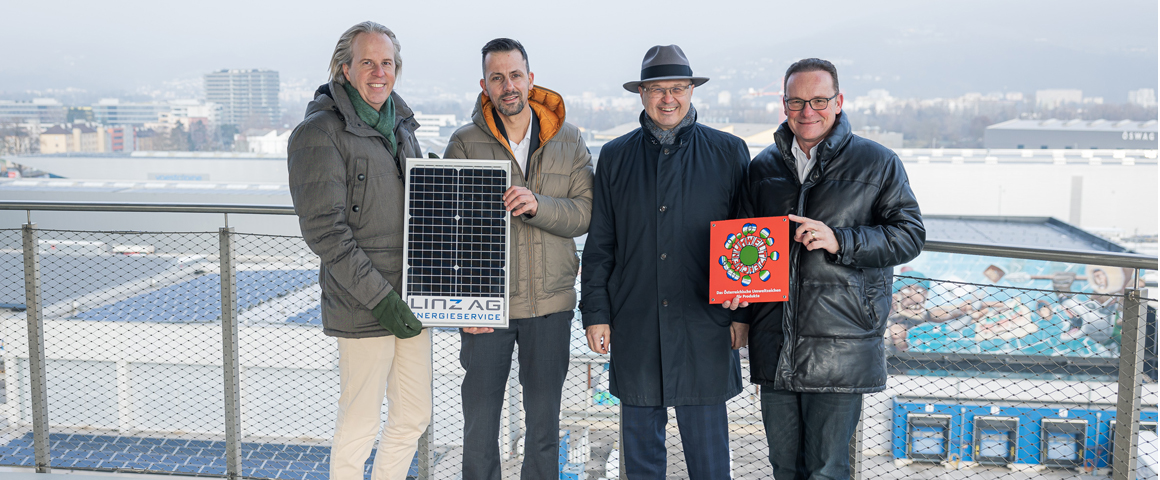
988,380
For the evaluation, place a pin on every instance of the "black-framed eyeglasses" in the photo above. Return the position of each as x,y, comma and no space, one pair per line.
658,92
797,104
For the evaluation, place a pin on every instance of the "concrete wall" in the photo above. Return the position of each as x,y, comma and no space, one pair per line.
1077,139
1093,197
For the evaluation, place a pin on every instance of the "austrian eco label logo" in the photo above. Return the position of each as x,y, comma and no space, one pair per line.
750,253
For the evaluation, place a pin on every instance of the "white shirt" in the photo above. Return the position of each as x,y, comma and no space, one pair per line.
520,149
804,163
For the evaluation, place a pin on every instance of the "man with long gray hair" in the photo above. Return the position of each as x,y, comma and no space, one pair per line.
346,181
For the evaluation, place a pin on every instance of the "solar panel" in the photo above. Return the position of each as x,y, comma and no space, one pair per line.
455,260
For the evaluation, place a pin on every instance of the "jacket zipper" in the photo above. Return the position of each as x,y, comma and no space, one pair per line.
801,206
531,282
530,186
531,247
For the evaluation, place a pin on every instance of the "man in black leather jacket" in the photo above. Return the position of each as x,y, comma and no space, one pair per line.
856,218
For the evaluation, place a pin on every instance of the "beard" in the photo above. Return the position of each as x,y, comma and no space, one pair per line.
513,109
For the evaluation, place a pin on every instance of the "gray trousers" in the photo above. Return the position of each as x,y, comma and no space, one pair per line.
543,358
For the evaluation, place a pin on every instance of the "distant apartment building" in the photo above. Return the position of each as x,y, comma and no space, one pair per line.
74,138
269,140
1144,97
724,99
121,138
193,110
247,97
146,140
435,125
1058,97
876,100
42,110
1071,134
15,140
112,111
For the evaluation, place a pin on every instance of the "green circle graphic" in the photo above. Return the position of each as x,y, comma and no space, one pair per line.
749,255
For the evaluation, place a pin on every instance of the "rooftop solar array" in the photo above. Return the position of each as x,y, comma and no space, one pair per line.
111,452
59,273
456,245
1041,232
199,300
312,316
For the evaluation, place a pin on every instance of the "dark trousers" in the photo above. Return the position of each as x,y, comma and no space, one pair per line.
809,433
704,436
543,358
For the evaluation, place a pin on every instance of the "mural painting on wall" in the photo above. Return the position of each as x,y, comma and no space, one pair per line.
1006,306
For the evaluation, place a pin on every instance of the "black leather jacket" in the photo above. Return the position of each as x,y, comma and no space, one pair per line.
828,337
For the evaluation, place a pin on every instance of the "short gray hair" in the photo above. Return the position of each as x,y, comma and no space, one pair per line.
344,50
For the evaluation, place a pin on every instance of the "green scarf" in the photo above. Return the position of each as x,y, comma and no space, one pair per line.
382,120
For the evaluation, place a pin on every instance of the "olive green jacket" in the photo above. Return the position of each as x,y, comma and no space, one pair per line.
348,193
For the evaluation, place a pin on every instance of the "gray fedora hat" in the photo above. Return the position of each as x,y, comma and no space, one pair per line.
664,62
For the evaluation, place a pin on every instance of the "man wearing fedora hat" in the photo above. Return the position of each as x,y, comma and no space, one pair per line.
645,295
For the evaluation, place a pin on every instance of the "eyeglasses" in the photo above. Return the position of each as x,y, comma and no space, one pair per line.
658,92
797,104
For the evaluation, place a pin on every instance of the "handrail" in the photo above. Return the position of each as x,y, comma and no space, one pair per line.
1112,259
256,209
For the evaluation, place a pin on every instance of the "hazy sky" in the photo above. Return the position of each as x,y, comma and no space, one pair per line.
913,48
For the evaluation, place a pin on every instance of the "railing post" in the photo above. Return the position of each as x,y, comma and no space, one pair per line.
427,441
856,451
36,367
1129,386
513,417
230,363
620,442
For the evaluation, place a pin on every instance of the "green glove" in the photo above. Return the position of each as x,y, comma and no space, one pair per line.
393,315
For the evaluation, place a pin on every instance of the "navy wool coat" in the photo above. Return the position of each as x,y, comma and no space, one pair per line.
646,265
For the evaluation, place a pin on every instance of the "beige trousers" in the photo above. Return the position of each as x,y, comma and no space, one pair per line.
368,367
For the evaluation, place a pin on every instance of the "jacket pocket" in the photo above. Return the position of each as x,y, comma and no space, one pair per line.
513,257
389,263
560,263
385,259
871,300
356,184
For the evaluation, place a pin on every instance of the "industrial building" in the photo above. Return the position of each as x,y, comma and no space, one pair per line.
1071,134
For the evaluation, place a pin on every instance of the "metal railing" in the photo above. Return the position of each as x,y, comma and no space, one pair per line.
132,356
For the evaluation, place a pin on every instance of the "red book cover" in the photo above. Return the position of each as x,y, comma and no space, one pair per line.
749,257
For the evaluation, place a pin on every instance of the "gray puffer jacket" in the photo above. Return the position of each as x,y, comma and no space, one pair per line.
348,193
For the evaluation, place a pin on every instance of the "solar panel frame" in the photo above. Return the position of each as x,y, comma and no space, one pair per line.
455,251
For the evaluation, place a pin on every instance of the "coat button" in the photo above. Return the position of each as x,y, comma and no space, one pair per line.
663,208
666,151
354,209
665,303
361,177
664,256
